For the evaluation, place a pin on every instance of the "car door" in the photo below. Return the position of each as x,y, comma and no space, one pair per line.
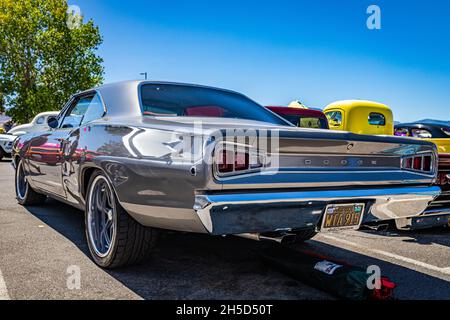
46,151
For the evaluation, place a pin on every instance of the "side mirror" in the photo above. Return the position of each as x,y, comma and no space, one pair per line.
53,122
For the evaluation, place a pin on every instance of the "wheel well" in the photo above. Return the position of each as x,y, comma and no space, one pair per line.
87,174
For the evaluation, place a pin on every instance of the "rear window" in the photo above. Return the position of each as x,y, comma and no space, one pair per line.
171,100
377,119
307,122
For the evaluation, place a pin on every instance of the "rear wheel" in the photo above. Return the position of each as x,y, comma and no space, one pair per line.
114,238
25,195
2,154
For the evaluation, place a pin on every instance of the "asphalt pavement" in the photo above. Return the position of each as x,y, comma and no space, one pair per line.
39,247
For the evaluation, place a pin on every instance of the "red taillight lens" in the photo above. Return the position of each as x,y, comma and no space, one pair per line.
229,161
408,162
241,161
225,164
427,163
417,163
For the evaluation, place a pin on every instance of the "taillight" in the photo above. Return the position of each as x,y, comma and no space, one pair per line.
241,161
417,163
229,160
422,163
427,163
225,163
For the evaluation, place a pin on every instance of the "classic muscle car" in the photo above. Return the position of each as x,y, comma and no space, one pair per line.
302,117
361,117
141,156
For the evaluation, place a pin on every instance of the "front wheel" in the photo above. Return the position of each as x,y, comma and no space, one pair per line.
25,195
114,238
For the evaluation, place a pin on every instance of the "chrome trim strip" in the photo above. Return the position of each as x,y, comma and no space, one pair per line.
436,212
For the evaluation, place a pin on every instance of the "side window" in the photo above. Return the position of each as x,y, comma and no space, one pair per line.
401,132
84,110
75,114
334,118
94,111
421,133
40,120
377,119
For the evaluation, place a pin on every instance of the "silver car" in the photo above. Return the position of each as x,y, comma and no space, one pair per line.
141,156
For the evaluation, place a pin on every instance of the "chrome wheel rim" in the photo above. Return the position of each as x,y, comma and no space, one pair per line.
21,182
101,217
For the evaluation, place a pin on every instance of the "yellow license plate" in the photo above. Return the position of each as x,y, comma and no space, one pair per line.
343,216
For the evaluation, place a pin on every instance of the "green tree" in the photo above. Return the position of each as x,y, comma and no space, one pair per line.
43,58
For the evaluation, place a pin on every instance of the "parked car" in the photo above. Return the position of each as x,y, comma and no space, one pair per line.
6,144
360,116
438,213
302,117
435,131
39,123
141,156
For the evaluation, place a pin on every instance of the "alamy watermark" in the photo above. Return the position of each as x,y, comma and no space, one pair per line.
74,17
73,281
374,20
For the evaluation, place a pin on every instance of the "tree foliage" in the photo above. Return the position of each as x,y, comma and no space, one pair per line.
43,60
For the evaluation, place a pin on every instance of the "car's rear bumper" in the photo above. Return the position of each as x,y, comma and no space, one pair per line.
244,212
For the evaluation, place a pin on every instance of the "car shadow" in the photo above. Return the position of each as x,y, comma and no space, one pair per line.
191,266
438,235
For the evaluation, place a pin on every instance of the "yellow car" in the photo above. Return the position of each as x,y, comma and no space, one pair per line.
360,116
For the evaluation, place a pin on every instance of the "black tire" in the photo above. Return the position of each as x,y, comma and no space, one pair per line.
130,242
2,154
25,194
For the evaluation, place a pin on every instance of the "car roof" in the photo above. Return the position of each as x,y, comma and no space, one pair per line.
47,113
123,98
350,104
137,83
296,111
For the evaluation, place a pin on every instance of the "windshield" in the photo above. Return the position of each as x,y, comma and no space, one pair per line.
190,101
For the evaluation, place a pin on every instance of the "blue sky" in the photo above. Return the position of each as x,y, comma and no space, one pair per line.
277,51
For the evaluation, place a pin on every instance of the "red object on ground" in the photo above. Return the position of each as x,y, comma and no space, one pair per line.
386,292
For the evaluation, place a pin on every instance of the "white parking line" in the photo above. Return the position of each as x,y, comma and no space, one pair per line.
3,290
391,255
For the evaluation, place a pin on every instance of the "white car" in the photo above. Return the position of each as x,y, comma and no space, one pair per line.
6,144
38,124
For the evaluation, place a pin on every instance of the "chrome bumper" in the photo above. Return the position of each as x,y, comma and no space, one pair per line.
236,213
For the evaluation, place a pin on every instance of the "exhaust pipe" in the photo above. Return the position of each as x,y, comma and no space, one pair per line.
283,238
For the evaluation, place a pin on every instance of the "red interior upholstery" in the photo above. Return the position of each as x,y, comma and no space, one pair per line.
205,111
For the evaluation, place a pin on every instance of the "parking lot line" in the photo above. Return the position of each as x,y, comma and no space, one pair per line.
391,255
3,290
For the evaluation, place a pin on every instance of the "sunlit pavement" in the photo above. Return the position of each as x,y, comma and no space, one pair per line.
39,244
